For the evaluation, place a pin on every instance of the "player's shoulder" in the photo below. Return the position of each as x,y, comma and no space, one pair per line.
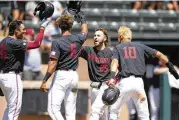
108,50
80,35
56,42
87,47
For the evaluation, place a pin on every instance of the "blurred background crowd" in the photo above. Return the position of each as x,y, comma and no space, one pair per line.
154,23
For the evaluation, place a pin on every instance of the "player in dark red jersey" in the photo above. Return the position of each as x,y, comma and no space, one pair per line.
98,59
131,57
12,55
64,62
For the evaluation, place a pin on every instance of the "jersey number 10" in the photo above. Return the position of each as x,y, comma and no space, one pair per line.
129,52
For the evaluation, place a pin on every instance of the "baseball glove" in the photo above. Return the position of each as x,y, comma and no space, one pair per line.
1,93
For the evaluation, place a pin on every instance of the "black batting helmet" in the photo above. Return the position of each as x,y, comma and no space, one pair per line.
110,95
45,9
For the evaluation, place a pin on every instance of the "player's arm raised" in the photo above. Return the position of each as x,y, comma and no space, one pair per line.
37,42
165,60
84,26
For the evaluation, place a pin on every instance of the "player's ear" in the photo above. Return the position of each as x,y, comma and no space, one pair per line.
121,38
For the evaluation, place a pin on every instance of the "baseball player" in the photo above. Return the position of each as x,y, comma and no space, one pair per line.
131,58
64,62
12,54
98,59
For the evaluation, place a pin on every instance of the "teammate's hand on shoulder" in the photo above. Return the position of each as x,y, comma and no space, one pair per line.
43,86
45,23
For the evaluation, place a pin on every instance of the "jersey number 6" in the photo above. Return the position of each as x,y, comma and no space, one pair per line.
73,50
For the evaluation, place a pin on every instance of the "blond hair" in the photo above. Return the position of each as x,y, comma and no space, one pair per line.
125,32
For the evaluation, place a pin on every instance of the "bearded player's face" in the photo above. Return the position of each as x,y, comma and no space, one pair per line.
20,32
99,38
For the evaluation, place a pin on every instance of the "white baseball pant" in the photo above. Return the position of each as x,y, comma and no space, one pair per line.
128,88
98,109
63,87
11,86
154,96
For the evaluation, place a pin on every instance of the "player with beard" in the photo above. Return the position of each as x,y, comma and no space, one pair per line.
98,59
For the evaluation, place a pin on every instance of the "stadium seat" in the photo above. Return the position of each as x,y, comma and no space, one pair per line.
168,16
114,25
167,27
5,11
132,25
148,27
92,25
103,24
113,12
93,14
130,15
113,4
148,16
94,4
113,15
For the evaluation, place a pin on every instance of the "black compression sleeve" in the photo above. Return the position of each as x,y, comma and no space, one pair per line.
172,70
47,76
113,74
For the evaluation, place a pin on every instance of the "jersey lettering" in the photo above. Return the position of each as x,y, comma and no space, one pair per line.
3,52
129,52
103,68
73,52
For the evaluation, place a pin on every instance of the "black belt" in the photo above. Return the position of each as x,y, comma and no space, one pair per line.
5,71
132,75
67,69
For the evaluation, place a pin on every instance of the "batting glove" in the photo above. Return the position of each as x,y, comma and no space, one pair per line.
80,17
45,23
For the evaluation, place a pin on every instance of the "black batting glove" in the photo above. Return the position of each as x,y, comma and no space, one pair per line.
80,17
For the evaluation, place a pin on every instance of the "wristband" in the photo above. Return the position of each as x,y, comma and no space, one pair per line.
47,76
113,74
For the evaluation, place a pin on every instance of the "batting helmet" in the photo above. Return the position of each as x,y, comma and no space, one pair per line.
45,9
110,95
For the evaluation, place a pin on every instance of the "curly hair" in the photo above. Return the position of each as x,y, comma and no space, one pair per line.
65,22
105,32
